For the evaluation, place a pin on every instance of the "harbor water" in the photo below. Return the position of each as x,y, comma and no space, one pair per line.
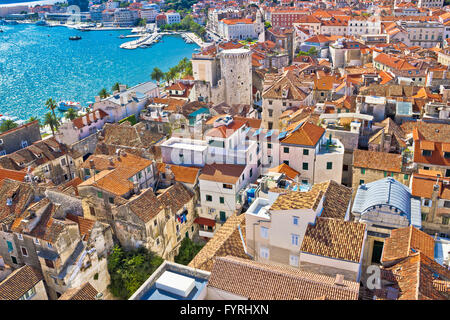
37,63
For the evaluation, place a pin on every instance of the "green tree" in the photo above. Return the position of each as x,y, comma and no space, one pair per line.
103,93
115,87
51,105
7,125
71,114
52,121
130,269
267,25
188,250
32,118
157,74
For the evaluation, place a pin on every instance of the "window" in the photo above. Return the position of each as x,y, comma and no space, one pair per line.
222,200
30,293
264,252
426,153
208,197
140,175
447,173
270,112
270,102
24,144
293,260
345,167
155,222
424,216
445,220
63,161
286,162
269,146
270,125
251,172
111,200
361,182
264,232
49,245
294,239
305,166
49,263
446,204
295,221
286,149
86,172
329,165
227,186
99,194
446,155
92,211
305,152
363,171
19,236
304,181
24,251
223,216
426,202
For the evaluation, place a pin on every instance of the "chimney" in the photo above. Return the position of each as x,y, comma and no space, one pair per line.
111,161
99,296
92,164
136,187
84,120
122,87
339,281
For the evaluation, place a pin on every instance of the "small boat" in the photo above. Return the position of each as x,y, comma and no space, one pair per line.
75,38
66,105
122,36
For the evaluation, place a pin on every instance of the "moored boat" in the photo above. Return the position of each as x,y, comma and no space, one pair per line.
66,105
75,38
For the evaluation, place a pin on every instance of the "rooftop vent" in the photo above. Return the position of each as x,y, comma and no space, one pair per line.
339,281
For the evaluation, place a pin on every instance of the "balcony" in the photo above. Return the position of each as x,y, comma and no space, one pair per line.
331,146
443,211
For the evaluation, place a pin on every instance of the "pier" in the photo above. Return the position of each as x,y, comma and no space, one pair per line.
149,39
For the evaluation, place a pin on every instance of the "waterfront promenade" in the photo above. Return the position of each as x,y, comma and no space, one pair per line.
150,38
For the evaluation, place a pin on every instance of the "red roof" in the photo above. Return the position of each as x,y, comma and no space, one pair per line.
78,122
205,222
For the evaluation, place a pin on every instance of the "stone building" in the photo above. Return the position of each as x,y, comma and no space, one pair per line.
434,195
223,75
25,283
384,205
156,222
369,166
19,138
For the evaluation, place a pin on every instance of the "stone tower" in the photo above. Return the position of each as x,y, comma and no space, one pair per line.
236,70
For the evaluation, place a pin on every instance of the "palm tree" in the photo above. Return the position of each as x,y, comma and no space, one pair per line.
51,105
50,120
71,114
115,87
103,93
157,75
7,125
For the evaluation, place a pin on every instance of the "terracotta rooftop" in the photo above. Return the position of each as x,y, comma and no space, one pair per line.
225,173
308,135
258,281
226,241
377,160
181,173
405,241
19,282
337,239
85,292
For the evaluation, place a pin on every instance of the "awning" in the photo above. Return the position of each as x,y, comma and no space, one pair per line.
205,222
282,135
257,132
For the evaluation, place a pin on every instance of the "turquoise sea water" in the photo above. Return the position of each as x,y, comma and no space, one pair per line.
40,62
